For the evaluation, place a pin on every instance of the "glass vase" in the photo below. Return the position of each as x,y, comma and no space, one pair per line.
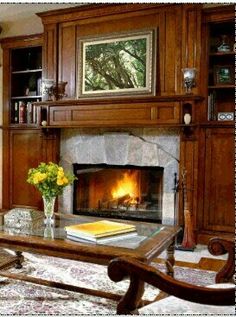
48,204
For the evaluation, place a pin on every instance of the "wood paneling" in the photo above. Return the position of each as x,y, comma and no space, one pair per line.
25,152
67,57
50,52
114,115
219,181
191,41
166,20
170,46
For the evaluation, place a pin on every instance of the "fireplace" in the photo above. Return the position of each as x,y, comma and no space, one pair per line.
119,191
144,149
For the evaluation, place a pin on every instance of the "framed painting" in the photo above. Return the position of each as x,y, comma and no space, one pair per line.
119,64
223,75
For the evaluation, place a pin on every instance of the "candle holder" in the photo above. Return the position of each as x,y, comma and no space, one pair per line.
189,76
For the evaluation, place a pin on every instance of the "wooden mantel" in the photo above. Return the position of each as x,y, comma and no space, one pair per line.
119,112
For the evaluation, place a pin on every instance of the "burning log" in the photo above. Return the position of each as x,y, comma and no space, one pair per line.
115,202
123,199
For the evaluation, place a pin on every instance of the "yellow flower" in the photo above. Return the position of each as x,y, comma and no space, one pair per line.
39,177
65,180
59,181
60,174
62,181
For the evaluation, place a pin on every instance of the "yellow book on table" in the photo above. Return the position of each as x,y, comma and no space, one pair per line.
99,229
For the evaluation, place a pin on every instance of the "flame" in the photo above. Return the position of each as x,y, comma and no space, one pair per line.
128,185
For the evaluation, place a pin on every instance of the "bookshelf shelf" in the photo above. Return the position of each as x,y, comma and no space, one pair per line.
221,60
26,84
26,97
27,71
222,53
221,86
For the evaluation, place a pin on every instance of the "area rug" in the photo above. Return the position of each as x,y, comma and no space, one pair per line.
21,298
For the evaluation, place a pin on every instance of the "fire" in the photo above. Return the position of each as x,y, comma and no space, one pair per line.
127,186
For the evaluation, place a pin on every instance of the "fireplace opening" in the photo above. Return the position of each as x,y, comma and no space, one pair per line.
118,191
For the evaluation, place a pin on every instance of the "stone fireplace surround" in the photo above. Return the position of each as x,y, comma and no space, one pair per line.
123,146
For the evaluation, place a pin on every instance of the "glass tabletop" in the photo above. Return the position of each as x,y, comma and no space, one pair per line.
18,226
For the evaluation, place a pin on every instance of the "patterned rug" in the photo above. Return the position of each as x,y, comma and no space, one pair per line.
21,298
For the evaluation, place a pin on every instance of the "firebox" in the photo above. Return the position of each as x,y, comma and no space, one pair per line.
118,191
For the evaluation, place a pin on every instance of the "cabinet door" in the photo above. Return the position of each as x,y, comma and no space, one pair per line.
25,152
219,180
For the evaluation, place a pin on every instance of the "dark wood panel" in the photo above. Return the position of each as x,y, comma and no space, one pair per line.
25,152
67,58
219,180
124,114
50,52
170,46
192,40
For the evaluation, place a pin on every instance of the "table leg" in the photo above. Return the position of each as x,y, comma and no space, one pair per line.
19,259
132,299
170,259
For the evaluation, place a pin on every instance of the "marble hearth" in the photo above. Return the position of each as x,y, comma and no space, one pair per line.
133,146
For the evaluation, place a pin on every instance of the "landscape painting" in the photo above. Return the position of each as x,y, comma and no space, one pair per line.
116,65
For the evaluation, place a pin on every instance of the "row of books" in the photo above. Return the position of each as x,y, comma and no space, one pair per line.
100,232
212,111
24,112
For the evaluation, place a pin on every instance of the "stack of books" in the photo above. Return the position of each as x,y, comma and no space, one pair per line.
100,231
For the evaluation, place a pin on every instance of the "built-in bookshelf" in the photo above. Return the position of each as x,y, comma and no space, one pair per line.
26,84
221,80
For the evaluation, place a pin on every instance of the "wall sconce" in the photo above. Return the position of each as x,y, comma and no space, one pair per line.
189,76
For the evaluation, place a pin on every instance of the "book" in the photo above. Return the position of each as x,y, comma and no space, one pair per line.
29,112
99,229
22,112
107,239
16,112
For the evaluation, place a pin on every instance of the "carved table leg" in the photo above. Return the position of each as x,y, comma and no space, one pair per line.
170,259
19,259
132,299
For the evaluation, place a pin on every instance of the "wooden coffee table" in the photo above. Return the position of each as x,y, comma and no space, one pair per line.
53,242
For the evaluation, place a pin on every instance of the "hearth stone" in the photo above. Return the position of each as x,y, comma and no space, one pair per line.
140,147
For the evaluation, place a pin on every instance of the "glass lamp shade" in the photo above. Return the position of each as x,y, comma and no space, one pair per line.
189,77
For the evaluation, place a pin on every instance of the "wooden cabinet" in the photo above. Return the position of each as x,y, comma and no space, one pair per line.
22,75
219,180
24,146
215,216
218,63
26,83
221,71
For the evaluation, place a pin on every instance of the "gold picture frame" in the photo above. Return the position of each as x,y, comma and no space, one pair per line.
117,64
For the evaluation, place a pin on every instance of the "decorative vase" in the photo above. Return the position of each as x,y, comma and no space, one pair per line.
48,231
49,203
187,118
59,90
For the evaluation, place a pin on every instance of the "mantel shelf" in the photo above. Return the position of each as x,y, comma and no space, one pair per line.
121,100
161,111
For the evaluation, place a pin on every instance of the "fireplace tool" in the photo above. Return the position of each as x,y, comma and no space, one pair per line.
188,242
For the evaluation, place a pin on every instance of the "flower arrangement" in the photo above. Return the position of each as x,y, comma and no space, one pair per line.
49,179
